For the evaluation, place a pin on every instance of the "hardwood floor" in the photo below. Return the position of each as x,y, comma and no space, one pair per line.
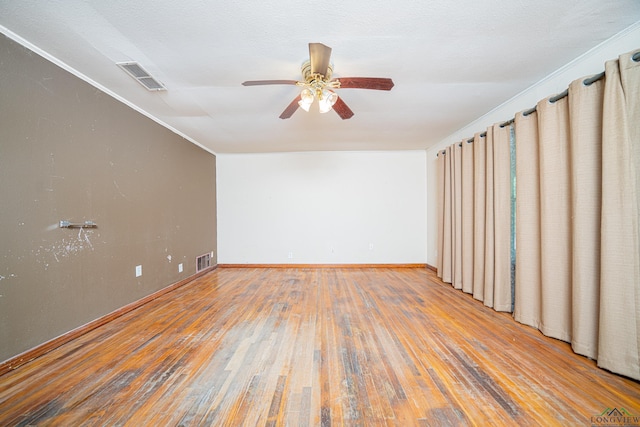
312,346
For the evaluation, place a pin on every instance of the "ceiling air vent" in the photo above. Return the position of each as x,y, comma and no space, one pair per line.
136,71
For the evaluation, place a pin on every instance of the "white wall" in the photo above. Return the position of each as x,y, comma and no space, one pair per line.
322,208
588,64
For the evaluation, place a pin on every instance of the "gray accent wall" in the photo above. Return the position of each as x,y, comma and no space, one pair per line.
71,152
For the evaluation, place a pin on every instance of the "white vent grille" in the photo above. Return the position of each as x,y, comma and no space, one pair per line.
203,262
136,71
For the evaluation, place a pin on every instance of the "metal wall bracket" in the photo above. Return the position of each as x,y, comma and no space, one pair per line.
86,224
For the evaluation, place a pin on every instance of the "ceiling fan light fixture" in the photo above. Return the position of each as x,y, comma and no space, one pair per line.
306,99
324,107
305,105
307,96
318,84
326,100
330,96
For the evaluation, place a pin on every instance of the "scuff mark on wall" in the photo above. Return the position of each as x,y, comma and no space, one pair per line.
5,278
119,191
42,84
52,171
86,238
64,248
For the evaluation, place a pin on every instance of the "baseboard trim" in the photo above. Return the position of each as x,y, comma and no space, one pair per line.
322,265
431,267
34,353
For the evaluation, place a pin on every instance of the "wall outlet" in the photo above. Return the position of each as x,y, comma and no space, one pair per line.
138,270
370,246
180,268
290,255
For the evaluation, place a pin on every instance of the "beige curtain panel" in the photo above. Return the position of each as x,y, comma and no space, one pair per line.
619,321
479,213
467,216
577,216
440,212
474,210
457,216
489,224
555,218
579,230
585,105
528,264
502,295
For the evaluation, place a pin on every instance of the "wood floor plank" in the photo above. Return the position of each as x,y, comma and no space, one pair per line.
313,346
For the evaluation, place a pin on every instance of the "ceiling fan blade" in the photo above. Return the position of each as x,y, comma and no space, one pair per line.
319,56
288,112
377,83
342,109
269,82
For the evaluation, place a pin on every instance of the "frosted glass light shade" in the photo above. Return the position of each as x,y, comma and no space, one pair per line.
306,99
328,99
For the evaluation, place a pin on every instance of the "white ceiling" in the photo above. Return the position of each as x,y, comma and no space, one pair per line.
451,61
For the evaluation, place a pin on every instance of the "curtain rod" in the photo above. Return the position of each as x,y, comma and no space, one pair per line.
558,97
587,82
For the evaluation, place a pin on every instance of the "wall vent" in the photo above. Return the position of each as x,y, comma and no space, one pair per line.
136,71
203,262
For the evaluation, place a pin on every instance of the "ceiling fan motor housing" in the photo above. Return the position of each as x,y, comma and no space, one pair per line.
307,75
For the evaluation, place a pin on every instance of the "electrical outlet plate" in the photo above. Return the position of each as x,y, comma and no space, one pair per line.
180,268
138,270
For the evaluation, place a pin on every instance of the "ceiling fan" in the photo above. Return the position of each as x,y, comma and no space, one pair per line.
318,85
